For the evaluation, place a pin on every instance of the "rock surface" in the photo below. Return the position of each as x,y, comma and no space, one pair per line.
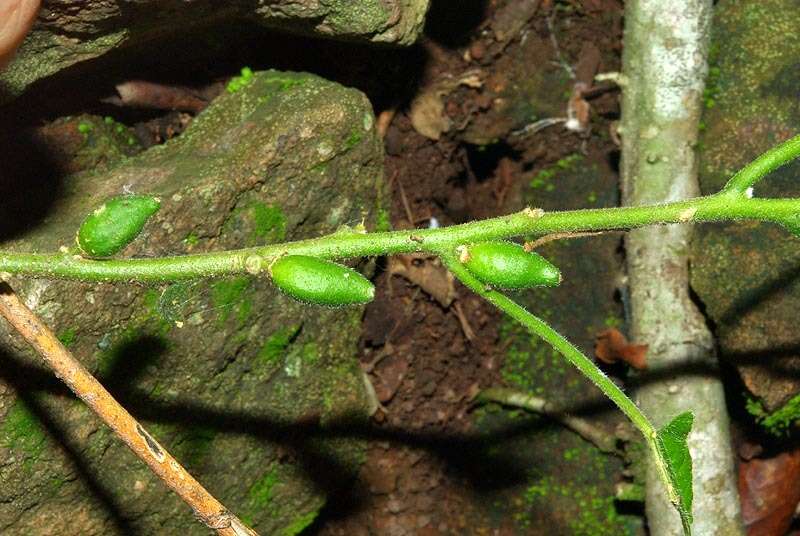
71,31
746,273
240,383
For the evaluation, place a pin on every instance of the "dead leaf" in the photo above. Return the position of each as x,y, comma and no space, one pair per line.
611,346
769,491
427,274
141,94
427,109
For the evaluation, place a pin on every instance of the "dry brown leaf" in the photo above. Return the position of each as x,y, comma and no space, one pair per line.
427,112
611,346
769,491
427,274
141,94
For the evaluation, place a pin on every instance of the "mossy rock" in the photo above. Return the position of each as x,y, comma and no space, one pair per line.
746,273
239,382
565,485
64,35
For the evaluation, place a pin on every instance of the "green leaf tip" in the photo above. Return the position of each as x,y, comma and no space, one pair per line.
676,465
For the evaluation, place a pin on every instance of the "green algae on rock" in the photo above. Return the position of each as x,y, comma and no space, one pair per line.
198,362
745,273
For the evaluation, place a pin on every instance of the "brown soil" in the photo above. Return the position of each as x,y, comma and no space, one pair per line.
423,365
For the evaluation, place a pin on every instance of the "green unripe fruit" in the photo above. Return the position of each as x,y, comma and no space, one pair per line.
115,224
508,265
313,280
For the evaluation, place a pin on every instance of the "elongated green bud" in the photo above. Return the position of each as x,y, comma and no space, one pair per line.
313,280
508,265
115,224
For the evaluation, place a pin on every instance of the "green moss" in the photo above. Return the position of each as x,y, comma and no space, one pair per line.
84,128
779,422
352,140
363,17
191,239
274,348
383,221
529,364
311,353
67,337
260,493
283,81
229,295
596,514
544,178
22,432
270,222
238,82
195,445
300,524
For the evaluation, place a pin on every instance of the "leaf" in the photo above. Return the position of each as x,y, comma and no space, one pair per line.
611,346
676,465
770,491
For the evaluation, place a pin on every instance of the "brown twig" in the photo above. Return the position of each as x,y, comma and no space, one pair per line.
406,206
67,368
530,246
600,438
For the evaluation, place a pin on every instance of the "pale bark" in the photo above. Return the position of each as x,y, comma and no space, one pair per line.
664,63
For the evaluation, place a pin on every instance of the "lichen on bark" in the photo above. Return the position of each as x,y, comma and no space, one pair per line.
664,64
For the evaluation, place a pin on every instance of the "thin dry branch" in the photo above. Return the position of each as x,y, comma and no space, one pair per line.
542,240
67,368
603,440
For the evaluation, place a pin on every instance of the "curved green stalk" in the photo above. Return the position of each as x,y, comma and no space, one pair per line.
653,437
349,244
753,172
539,327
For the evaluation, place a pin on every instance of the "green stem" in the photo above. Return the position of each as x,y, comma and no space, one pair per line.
539,327
753,172
352,244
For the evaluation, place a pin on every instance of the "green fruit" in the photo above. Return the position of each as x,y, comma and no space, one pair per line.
313,280
115,224
508,265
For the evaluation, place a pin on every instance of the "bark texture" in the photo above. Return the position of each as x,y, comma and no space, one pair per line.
665,67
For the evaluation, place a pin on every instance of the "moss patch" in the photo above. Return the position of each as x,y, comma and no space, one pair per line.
229,296
781,421
22,432
270,222
274,348
67,336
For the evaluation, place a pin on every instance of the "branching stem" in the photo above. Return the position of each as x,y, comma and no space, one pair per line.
749,175
349,244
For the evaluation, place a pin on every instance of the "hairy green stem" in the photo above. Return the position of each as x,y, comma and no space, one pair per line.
586,366
539,327
351,244
753,172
